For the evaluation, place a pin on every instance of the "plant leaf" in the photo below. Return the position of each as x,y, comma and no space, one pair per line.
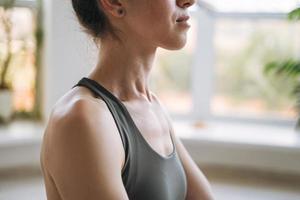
289,67
294,14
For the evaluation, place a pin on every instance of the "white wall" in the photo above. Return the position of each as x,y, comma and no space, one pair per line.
69,52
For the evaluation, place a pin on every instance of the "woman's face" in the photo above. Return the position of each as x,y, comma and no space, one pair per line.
155,21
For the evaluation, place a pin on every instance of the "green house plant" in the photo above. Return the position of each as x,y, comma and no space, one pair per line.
289,68
5,60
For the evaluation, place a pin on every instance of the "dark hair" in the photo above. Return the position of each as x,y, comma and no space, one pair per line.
93,19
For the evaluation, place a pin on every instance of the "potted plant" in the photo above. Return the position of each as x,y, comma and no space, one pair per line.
289,68
5,61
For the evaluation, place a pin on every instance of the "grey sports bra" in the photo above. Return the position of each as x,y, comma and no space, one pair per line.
146,174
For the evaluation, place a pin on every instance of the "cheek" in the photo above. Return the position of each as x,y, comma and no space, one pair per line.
154,20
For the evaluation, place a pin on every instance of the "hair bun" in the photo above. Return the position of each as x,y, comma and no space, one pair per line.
91,17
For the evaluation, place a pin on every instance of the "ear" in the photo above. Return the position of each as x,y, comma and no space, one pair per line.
112,7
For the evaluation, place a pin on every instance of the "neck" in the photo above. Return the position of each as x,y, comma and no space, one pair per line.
124,69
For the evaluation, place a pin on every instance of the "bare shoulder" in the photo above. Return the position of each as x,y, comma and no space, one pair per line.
82,147
75,111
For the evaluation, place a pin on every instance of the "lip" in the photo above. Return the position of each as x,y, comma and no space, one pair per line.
184,24
183,18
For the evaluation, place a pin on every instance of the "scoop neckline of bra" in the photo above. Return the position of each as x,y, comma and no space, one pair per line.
169,156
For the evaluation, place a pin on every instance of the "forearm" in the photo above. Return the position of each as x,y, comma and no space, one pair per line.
199,188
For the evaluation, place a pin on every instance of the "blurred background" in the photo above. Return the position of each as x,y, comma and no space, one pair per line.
233,92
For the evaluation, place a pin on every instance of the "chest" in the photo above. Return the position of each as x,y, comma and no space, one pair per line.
153,126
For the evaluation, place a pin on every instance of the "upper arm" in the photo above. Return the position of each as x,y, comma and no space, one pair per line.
84,163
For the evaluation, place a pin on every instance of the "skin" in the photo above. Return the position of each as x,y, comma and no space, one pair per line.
82,153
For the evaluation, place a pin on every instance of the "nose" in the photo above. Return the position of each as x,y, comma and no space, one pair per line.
185,3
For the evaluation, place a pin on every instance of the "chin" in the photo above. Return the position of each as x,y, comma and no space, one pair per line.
177,44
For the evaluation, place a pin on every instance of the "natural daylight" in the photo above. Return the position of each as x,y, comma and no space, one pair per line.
149,100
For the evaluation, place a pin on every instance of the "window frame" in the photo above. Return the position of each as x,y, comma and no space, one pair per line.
26,3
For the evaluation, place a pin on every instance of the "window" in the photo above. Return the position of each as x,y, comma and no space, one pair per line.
218,75
250,6
22,69
243,47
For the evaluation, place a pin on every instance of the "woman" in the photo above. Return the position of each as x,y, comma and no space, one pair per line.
109,137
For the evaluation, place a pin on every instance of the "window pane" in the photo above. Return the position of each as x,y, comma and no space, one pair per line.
21,72
243,47
170,76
